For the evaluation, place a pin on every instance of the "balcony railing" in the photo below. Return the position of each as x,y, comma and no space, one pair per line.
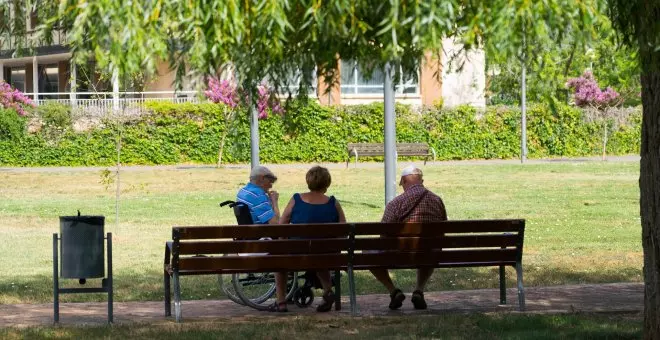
9,41
103,102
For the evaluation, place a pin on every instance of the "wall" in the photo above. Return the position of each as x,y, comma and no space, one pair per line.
463,76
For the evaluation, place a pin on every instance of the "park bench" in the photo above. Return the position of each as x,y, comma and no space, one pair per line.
378,149
345,246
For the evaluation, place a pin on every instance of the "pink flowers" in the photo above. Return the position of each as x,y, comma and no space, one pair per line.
587,92
266,98
14,99
223,91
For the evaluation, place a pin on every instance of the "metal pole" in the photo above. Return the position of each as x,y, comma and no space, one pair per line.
523,135
110,292
254,136
115,90
56,283
73,81
523,122
390,136
35,79
2,72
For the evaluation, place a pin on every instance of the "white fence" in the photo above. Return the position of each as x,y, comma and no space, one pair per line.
114,101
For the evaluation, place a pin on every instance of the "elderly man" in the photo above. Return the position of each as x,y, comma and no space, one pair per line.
416,204
262,202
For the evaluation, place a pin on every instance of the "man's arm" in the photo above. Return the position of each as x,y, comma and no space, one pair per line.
390,215
273,196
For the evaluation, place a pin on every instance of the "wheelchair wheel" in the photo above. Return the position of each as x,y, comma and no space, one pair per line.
257,290
227,287
303,297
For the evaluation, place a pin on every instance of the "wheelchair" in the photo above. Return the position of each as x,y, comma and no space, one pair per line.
257,290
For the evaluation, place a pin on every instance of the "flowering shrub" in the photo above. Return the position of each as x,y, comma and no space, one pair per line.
587,92
225,92
222,91
14,99
598,103
265,100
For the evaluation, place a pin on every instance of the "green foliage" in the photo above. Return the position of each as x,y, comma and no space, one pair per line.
12,126
55,119
191,133
553,63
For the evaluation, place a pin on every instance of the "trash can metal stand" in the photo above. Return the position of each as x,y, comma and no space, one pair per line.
80,256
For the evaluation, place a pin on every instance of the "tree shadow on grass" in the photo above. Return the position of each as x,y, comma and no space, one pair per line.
368,205
148,286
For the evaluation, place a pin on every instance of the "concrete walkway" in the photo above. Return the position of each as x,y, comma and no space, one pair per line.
361,165
616,297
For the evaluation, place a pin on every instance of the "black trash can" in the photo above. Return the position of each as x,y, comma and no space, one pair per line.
82,247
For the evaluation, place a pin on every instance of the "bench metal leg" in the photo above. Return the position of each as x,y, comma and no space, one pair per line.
177,296
110,279
521,290
502,285
351,288
338,290
168,293
56,284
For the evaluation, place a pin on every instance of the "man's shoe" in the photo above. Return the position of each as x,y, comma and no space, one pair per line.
396,299
417,300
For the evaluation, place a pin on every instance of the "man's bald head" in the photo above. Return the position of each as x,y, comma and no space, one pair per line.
410,176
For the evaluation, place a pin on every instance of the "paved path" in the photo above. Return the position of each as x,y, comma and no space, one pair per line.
362,165
616,297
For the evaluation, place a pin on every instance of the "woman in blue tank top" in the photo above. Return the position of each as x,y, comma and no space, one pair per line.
312,207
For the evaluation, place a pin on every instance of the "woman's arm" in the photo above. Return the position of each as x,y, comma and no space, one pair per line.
340,211
286,214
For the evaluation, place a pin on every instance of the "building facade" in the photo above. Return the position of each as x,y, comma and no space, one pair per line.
44,72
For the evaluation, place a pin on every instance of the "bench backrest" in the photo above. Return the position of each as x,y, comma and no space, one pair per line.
406,245
376,149
332,246
318,246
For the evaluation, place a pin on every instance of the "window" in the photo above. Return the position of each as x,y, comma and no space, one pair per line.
293,82
353,82
17,78
49,78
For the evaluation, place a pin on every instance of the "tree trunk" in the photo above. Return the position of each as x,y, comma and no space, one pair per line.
222,147
604,139
649,185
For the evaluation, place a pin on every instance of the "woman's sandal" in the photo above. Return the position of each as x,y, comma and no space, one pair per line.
328,300
279,307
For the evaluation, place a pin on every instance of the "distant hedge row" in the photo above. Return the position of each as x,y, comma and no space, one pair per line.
191,133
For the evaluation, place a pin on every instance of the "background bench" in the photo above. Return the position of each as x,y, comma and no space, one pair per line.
340,247
378,149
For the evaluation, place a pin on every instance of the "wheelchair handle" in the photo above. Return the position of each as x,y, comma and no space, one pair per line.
230,203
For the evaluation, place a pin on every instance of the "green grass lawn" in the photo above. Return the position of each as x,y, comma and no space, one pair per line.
582,221
446,326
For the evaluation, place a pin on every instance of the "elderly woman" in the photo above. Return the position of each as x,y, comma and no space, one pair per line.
312,207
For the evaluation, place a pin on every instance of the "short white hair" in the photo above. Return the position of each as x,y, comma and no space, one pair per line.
411,170
259,171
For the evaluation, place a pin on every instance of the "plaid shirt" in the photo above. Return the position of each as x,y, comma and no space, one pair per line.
405,207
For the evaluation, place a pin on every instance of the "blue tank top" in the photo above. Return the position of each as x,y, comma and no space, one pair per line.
304,212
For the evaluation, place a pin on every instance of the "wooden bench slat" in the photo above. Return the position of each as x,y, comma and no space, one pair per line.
439,228
336,230
318,246
265,263
258,231
321,246
432,258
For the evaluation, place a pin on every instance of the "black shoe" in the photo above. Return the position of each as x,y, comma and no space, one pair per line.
418,300
396,299
328,300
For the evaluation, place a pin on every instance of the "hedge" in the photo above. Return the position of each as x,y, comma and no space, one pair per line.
190,133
